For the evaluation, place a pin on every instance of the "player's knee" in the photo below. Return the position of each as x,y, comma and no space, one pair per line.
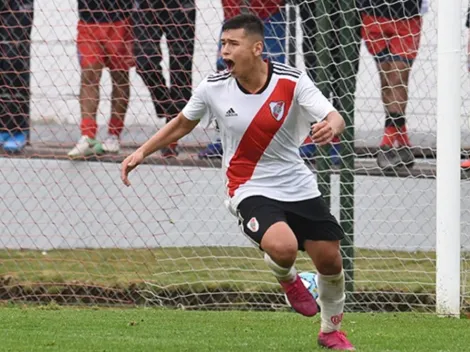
329,262
397,74
120,78
280,244
284,254
330,266
91,76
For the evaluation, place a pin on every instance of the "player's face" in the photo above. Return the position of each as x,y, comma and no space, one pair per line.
240,51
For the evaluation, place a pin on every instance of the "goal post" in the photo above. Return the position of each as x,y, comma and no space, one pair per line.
448,259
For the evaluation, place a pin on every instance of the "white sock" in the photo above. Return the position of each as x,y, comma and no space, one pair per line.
282,274
331,299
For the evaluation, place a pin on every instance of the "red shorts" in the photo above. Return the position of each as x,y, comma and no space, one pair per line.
108,44
390,40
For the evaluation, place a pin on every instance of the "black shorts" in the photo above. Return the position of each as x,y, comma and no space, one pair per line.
309,219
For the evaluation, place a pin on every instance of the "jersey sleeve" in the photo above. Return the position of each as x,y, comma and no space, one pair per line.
197,107
313,104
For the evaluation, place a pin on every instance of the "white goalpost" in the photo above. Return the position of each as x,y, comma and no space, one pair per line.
449,31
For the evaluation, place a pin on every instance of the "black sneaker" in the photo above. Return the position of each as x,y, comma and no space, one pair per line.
406,156
387,158
169,152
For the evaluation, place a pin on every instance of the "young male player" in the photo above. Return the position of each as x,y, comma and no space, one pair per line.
104,40
265,111
273,14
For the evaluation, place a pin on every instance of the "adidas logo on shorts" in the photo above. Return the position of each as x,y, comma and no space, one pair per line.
230,113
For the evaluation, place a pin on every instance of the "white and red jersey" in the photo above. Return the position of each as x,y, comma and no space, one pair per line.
261,133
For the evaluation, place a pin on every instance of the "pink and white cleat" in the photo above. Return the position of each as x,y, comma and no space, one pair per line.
335,341
300,298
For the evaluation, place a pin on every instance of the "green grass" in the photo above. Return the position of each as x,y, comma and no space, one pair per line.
240,268
33,329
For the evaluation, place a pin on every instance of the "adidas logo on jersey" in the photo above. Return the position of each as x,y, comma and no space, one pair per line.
230,113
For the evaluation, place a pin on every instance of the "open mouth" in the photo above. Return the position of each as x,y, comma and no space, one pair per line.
229,64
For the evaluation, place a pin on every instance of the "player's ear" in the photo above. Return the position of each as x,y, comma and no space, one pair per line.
258,48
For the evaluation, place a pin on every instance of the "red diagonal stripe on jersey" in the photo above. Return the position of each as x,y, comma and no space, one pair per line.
257,136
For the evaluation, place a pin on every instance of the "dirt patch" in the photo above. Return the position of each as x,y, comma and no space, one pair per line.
75,293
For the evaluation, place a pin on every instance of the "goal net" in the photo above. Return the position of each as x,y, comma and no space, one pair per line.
71,233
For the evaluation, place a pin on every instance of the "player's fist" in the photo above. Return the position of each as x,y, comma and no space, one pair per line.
322,133
129,164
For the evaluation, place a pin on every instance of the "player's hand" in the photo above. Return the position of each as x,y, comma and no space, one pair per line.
322,133
129,164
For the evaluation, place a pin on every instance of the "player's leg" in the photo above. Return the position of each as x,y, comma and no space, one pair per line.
394,76
119,103
147,30
119,54
91,58
327,259
395,69
15,77
181,37
319,235
375,34
180,33
263,220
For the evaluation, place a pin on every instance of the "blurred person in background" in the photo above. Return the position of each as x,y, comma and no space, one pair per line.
176,20
392,33
16,23
308,25
104,40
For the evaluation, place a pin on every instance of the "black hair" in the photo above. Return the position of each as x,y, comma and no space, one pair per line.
250,23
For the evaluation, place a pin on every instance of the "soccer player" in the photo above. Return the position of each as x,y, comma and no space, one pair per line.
392,33
104,40
176,19
265,111
273,13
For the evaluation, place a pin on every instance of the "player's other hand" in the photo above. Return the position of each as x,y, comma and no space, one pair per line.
322,133
129,164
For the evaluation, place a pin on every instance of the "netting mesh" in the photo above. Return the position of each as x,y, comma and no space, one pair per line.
71,233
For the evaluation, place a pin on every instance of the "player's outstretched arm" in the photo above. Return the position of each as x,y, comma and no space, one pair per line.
171,132
324,131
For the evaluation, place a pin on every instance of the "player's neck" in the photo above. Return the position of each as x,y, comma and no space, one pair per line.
256,79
